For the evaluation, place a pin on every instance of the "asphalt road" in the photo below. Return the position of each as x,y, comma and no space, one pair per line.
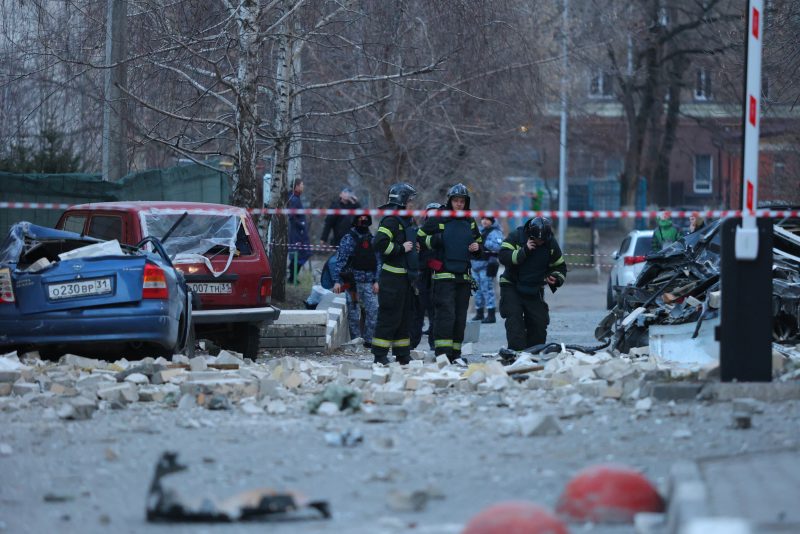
92,476
575,310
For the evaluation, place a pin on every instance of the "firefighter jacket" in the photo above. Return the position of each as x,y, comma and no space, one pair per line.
450,238
393,231
527,269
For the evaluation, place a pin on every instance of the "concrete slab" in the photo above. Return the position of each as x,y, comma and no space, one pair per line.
298,317
758,488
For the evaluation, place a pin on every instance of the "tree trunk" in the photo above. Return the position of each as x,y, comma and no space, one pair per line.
245,192
661,171
638,121
279,190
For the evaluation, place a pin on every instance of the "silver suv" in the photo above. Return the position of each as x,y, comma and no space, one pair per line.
629,261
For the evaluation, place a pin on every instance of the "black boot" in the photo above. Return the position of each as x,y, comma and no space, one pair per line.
490,318
382,359
478,314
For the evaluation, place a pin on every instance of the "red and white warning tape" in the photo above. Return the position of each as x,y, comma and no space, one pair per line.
502,214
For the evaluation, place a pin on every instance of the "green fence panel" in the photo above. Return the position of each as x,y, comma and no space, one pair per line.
192,183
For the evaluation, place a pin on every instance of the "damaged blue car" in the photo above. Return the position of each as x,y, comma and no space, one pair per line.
64,292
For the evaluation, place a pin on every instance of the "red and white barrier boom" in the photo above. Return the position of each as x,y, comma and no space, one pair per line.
745,332
498,214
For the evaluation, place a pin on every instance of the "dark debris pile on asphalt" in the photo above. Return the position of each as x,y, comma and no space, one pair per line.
681,284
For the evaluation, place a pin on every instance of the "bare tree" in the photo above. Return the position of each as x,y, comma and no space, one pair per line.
647,49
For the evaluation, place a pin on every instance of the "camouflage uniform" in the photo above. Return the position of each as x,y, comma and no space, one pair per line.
359,291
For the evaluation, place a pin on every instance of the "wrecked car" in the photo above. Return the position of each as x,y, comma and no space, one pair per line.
64,292
215,246
681,284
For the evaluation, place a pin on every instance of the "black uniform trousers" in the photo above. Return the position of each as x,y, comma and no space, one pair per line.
395,308
450,301
527,317
423,304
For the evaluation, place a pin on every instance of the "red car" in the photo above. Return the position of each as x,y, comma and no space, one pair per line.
218,249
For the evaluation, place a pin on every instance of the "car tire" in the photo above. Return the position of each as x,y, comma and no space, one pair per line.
51,354
248,340
610,300
186,326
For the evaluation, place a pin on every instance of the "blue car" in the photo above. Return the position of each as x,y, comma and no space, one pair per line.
63,292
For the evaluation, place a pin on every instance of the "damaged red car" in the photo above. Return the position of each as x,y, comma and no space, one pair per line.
215,246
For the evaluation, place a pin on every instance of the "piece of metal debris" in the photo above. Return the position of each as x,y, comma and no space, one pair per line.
164,504
681,284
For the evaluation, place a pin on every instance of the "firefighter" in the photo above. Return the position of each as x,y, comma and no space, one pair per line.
423,304
356,273
395,242
532,259
456,240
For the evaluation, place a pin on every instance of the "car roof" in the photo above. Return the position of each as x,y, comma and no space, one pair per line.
641,233
146,205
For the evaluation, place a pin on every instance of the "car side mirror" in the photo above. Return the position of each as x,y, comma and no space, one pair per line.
616,254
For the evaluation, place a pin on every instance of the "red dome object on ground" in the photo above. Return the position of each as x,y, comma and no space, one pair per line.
608,494
515,517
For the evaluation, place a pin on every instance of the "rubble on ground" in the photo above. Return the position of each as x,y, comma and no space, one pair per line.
681,285
75,388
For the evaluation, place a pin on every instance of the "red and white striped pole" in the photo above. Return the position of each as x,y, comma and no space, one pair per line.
745,331
747,235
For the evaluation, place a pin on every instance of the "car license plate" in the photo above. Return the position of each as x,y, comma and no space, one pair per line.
211,288
79,288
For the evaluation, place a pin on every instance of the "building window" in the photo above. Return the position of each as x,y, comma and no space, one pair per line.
702,85
702,173
601,84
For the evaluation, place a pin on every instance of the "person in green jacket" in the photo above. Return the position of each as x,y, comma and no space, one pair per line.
665,234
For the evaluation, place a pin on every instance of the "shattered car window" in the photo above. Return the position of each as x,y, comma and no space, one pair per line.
27,242
199,234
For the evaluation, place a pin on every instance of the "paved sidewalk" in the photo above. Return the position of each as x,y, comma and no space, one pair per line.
760,489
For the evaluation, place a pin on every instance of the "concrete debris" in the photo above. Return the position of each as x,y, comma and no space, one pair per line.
346,438
328,408
571,380
411,501
226,357
77,409
343,397
137,378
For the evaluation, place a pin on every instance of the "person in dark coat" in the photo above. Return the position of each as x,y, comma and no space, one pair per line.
423,304
456,241
395,241
299,242
533,260
336,226
356,274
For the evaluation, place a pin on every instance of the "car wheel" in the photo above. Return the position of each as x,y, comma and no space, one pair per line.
187,333
249,340
51,354
189,346
610,301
